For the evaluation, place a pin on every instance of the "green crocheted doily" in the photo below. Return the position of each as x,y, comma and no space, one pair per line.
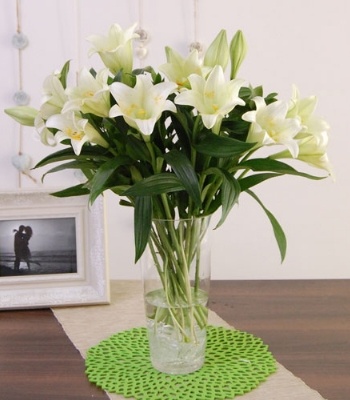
236,362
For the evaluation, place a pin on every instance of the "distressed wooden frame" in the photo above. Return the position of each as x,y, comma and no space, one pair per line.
89,284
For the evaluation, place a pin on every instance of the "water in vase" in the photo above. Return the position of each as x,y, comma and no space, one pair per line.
177,335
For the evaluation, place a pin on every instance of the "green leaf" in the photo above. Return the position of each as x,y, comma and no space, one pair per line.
137,149
277,229
68,154
119,189
142,223
182,129
221,146
270,98
78,190
185,172
71,165
268,164
229,192
125,203
98,182
252,180
155,184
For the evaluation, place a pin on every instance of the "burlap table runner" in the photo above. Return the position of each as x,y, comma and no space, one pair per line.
87,326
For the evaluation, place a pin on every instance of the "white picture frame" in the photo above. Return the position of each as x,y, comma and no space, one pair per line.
67,264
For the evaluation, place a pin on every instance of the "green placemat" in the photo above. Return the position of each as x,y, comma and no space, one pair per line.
236,362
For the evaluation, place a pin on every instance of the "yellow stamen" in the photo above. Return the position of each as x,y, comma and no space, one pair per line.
141,113
210,95
131,109
76,135
158,98
136,111
89,93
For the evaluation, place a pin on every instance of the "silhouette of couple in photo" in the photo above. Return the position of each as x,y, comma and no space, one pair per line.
21,246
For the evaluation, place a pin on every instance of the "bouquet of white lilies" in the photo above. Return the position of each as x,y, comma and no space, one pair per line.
181,140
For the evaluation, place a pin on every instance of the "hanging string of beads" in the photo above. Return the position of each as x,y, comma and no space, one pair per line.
141,51
195,45
21,161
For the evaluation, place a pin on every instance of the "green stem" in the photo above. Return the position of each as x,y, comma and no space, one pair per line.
246,157
211,193
151,152
173,270
111,150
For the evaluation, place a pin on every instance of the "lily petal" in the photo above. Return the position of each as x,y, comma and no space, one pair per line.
142,105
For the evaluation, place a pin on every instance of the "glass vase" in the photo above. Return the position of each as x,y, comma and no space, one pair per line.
176,277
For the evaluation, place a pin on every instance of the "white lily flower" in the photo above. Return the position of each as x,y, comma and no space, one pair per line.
303,108
178,68
142,105
312,150
76,129
91,95
44,134
270,125
115,49
54,97
213,97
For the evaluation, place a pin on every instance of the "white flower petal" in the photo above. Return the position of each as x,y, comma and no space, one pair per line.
142,105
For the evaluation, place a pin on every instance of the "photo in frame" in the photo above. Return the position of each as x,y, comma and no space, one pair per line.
52,251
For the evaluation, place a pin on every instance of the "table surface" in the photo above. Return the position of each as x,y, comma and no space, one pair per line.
306,324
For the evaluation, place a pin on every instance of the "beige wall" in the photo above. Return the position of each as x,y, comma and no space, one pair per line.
304,42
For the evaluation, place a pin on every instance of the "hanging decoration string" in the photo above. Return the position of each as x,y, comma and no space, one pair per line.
195,20
141,51
22,162
77,34
78,174
195,45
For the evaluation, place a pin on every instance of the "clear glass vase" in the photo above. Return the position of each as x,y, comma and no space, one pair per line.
176,276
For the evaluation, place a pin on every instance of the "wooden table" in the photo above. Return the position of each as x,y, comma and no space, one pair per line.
305,323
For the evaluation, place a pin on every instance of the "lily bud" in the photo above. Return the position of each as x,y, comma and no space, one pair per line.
22,114
218,51
238,51
116,49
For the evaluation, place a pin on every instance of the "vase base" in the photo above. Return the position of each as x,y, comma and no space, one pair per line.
171,355
176,341
177,368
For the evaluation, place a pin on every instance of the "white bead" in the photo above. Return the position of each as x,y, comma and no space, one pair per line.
19,41
141,52
143,35
196,46
21,98
22,162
